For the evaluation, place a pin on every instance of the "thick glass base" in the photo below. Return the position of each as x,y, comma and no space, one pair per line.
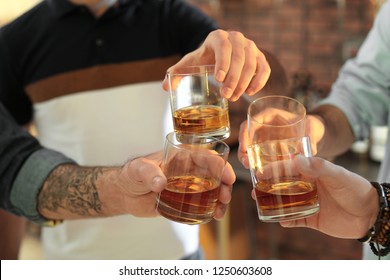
292,213
189,138
183,217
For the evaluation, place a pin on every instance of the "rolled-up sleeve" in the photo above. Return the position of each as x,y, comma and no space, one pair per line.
30,179
24,166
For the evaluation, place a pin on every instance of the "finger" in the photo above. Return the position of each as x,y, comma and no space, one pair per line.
187,60
263,72
337,177
225,194
253,194
313,145
315,129
236,65
294,223
242,144
220,211
205,159
222,48
280,168
173,80
165,84
248,72
158,184
314,167
147,174
228,175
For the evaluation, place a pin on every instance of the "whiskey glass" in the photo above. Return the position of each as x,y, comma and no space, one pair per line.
194,170
276,135
197,104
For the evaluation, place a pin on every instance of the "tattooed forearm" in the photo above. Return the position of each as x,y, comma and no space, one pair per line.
71,188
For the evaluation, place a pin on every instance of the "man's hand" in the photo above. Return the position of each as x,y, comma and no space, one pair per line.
348,203
239,64
75,192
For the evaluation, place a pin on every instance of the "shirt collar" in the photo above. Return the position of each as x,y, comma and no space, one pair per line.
62,7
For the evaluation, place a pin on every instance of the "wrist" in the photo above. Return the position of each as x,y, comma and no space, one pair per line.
374,206
379,235
333,130
366,228
110,192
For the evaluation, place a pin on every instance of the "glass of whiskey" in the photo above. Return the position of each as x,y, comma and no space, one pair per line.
194,170
276,135
196,103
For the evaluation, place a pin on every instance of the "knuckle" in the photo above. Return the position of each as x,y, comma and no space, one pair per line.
236,34
220,33
251,45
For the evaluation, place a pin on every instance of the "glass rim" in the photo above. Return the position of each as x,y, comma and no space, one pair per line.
252,103
188,70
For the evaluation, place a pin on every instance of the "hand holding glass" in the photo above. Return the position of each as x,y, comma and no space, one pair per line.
276,127
194,171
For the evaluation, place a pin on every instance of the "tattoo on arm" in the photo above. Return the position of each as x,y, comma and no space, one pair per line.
72,188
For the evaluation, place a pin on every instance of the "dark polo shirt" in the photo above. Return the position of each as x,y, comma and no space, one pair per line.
58,43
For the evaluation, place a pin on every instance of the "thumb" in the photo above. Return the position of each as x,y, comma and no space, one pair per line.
311,167
147,174
165,84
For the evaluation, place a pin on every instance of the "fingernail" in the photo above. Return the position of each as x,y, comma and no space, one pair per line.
157,182
234,98
226,92
220,77
244,161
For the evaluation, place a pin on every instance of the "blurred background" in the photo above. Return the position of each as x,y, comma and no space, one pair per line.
311,40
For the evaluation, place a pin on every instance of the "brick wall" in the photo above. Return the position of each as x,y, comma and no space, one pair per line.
312,38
